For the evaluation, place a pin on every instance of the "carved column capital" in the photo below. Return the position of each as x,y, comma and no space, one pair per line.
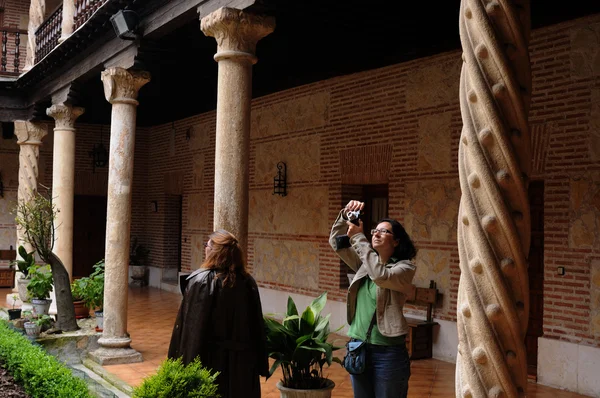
64,115
122,85
30,133
236,31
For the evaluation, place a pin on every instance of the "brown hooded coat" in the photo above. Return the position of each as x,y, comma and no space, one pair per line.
225,327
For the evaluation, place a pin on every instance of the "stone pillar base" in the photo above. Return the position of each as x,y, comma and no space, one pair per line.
115,356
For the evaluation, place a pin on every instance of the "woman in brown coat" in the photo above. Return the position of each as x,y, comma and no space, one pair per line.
220,320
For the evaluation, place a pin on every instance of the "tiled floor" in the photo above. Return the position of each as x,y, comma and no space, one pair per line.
151,316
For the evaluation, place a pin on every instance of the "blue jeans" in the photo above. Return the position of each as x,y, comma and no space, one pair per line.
386,374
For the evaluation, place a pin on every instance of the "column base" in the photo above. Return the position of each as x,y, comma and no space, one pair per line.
115,356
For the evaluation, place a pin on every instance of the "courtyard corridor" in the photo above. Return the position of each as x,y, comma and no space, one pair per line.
151,315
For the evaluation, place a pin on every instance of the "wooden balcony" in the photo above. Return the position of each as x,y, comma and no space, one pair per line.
14,44
84,10
47,35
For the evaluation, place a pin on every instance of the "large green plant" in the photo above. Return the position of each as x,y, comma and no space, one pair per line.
299,345
175,380
28,260
90,289
41,282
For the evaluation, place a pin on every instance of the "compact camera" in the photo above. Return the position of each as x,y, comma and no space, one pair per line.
343,241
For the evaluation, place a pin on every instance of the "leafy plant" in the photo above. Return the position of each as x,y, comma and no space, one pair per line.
175,380
40,373
41,282
42,320
299,345
90,289
138,254
28,260
15,297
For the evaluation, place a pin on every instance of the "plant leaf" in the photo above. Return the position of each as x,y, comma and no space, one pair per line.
322,323
308,321
318,304
291,307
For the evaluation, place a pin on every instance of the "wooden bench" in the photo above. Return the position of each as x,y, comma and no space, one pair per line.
7,273
419,340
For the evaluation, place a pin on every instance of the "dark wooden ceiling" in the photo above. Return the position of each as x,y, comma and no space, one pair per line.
314,40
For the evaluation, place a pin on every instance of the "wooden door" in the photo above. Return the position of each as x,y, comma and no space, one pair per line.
536,275
89,233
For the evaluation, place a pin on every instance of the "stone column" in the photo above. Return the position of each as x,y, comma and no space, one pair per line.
237,33
121,88
37,12
68,21
29,136
494,163
63,179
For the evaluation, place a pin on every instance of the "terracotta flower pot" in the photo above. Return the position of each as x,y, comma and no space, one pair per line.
81,311
295,393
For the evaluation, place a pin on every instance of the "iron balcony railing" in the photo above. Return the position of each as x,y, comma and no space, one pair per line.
47,35
84,10
14,48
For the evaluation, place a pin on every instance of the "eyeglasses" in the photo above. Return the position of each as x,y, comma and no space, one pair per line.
381,231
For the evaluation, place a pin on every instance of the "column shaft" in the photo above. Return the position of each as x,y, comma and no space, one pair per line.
121,89
67,19
118,222
236,33
232,147
63,180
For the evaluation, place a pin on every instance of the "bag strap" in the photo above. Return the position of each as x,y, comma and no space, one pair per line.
371,326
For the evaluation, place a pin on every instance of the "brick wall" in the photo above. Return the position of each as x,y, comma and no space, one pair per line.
397,105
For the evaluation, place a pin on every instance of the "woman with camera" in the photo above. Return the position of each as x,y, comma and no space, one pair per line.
220,320
375,301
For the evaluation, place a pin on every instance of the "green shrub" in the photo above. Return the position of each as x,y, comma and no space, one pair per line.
38,372
175,380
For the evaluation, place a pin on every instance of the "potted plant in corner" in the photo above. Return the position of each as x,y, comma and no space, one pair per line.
27,260
39,288
299,345
138,257
78,287
35,324
91,291
14,313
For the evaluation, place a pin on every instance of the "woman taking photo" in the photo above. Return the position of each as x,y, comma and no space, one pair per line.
221,321
384,273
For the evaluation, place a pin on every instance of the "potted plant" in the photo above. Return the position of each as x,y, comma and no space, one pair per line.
138,257
27,260
39,288
91,291
14,313
78,287
35,324
299,345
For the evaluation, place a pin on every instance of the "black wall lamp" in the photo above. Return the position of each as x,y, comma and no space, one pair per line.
1,187
280,180
125,24
99,154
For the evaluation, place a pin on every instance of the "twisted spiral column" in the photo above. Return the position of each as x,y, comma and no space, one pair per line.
494,222
29,136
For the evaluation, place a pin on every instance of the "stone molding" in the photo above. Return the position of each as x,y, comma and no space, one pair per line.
64,116
122,85
236,31
29,133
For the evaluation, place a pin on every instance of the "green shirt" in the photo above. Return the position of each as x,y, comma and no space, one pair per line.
366,303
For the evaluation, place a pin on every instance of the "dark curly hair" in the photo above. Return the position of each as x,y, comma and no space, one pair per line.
406,249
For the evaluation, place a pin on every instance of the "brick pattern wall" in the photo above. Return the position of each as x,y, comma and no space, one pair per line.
378,107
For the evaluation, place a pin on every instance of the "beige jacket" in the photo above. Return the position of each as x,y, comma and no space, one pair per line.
393,280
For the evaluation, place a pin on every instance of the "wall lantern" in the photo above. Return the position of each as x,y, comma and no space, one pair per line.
280,182
125,24
154,204
99,154
1,187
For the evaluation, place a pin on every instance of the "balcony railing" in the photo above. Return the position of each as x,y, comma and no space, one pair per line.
84,10
14,47
47,35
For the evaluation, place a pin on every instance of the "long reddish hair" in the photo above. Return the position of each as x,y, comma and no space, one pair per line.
225,256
